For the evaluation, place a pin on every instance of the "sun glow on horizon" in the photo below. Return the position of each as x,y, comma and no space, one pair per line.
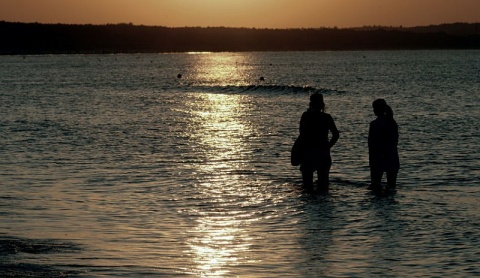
244,13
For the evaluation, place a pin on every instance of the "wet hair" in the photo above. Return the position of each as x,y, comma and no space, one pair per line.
316,102
380,107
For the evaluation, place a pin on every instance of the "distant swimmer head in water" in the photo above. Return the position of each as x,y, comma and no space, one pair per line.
179,75
262,78
380,107
316,102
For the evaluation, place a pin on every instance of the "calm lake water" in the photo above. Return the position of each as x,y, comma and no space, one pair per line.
111,165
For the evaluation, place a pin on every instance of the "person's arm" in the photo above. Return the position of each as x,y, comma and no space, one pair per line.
335,134
370,137
395,133
302,125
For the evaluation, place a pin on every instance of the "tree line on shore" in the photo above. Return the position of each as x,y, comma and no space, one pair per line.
37,38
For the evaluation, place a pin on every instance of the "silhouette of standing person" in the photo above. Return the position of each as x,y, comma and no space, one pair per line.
315,126
382,146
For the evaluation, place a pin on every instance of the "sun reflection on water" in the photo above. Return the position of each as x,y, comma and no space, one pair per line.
218,245
220,240
223,69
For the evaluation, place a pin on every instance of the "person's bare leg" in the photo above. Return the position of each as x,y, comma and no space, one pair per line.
307,177
392,179
324,179
376,179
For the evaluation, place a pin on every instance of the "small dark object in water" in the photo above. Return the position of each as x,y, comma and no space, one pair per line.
262,78
179,75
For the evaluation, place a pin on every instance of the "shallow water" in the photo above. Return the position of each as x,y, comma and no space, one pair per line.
113,166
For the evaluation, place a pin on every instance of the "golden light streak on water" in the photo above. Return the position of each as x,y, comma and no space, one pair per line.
220,240
219,68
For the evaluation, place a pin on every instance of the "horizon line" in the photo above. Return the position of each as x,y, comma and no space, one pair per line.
232,27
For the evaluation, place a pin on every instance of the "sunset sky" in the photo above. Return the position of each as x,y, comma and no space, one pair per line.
244,13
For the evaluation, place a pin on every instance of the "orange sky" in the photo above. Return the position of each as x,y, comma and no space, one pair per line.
244,13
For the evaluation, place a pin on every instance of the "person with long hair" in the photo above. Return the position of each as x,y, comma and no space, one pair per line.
382,146
315,126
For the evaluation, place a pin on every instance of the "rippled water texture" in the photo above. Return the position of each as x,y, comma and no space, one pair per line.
111,165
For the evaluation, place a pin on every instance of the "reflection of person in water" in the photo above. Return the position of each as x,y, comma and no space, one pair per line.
382,146
315,126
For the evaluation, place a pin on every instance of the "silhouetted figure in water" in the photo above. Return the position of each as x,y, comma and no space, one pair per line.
382,146
315,126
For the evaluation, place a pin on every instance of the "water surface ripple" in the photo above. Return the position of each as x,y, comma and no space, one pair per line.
111,165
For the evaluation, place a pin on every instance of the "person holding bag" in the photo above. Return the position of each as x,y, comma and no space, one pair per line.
312,148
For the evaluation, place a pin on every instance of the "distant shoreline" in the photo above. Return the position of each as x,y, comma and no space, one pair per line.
36,38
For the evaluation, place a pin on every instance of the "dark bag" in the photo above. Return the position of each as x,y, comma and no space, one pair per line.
296,153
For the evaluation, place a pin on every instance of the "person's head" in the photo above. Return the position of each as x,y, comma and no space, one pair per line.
316,102
380,107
